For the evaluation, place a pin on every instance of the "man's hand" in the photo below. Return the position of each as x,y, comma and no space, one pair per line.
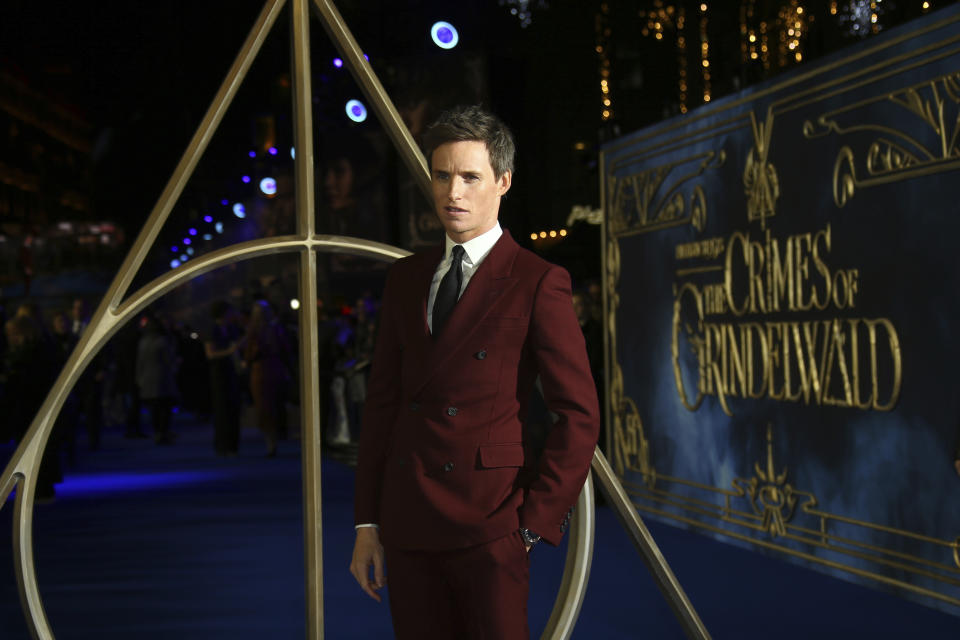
956,463
367,551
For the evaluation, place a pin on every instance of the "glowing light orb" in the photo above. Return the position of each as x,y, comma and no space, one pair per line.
218,227
224,202
338,63
252,154
175,249
444,35
246,179
272,151
208,218
183,258
190,251
268,186
174,263
294,304
186,241
192,231
356,111
207,236
239,210
293,153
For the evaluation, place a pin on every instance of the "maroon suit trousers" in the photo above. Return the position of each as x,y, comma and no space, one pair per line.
477,593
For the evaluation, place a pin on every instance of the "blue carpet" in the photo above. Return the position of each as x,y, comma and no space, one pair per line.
153,542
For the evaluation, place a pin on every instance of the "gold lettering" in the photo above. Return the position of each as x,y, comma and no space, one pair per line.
728,272
819,265
894,343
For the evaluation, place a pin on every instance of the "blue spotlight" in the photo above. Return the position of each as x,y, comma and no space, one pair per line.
444,35
190,251
208,218
239,210
192,231
207,236
218,227
224,202
186,241
272,151
174,263
268,186
175,249
293,153
356,111
252,154
246,179
338,63
183,258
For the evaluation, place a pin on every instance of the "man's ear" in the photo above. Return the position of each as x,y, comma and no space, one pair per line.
504,182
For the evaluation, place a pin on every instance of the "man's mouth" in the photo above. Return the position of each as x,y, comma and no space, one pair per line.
455,210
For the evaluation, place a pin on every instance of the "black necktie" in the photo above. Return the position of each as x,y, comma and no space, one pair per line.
449,291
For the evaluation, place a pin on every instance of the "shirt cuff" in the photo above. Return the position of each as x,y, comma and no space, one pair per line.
366,525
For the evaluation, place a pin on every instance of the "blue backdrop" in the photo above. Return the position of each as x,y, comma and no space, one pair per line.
781,269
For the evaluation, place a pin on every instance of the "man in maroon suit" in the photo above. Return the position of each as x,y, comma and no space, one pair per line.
449,497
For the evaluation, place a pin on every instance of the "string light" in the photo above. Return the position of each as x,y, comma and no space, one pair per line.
682,59
602,26
704,52
662,21
523,10
794,25
860,18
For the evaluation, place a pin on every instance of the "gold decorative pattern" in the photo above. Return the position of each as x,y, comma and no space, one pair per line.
926,142
631,451
654,199
771,497
759,176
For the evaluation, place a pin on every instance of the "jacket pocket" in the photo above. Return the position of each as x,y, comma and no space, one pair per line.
493,456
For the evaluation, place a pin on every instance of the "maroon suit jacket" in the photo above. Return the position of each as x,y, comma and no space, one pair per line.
441,443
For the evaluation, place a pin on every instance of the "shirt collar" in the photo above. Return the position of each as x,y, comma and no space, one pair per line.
477,248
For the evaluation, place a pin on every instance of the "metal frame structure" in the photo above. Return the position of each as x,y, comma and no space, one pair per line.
115,310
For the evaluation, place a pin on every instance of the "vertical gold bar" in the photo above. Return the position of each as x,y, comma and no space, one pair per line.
363,73
309,364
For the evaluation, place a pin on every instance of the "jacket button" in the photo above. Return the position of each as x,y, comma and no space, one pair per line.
481,355
451,411
414,406
448,466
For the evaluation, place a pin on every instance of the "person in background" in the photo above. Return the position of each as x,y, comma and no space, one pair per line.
220,348
28,372
265,354
156,376
89,388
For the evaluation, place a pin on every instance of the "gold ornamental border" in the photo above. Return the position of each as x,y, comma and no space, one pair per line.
892,156
114,311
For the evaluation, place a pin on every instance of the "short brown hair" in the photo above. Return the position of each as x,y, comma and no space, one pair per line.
473,123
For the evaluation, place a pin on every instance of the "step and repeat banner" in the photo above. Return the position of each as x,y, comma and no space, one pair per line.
782,270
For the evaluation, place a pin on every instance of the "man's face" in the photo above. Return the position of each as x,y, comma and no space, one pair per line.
466,194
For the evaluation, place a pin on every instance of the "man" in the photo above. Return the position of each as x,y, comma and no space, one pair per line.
449,499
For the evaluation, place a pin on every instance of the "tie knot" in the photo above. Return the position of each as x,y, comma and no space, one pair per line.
457,252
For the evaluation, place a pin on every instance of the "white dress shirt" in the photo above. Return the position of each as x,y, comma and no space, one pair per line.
474,251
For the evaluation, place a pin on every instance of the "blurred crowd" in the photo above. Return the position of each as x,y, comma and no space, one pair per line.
241,370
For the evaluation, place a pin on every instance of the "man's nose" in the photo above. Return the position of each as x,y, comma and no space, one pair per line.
455,190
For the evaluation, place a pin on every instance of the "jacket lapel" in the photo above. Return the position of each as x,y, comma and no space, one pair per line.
489,283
